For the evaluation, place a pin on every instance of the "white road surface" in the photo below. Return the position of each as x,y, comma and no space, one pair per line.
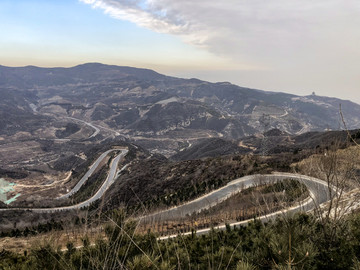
318,190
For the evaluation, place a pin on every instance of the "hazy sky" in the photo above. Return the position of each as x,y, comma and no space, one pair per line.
295,46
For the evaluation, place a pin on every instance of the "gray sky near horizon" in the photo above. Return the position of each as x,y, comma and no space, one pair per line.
297,46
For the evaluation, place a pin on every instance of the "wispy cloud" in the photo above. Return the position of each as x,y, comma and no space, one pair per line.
143,13
160,16
236,27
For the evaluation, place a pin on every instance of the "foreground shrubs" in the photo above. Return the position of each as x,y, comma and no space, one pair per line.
299,242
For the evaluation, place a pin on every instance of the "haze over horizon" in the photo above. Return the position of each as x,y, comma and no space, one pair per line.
296,47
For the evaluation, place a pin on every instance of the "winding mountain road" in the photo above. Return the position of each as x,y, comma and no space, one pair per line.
318,189
91,170
97,130
111,177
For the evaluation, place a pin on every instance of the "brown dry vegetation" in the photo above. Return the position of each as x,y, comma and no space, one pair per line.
344,163
58,239
340,168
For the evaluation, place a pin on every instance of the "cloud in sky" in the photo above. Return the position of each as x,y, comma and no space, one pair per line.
239,27
304,43
143,13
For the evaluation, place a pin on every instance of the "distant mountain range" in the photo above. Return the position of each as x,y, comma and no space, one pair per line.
164,114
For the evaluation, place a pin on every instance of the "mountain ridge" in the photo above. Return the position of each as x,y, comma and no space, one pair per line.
164,113
127,68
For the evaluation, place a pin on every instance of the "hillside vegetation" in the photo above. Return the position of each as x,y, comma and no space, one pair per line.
300,242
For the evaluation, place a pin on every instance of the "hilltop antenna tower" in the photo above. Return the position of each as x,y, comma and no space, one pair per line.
265,124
